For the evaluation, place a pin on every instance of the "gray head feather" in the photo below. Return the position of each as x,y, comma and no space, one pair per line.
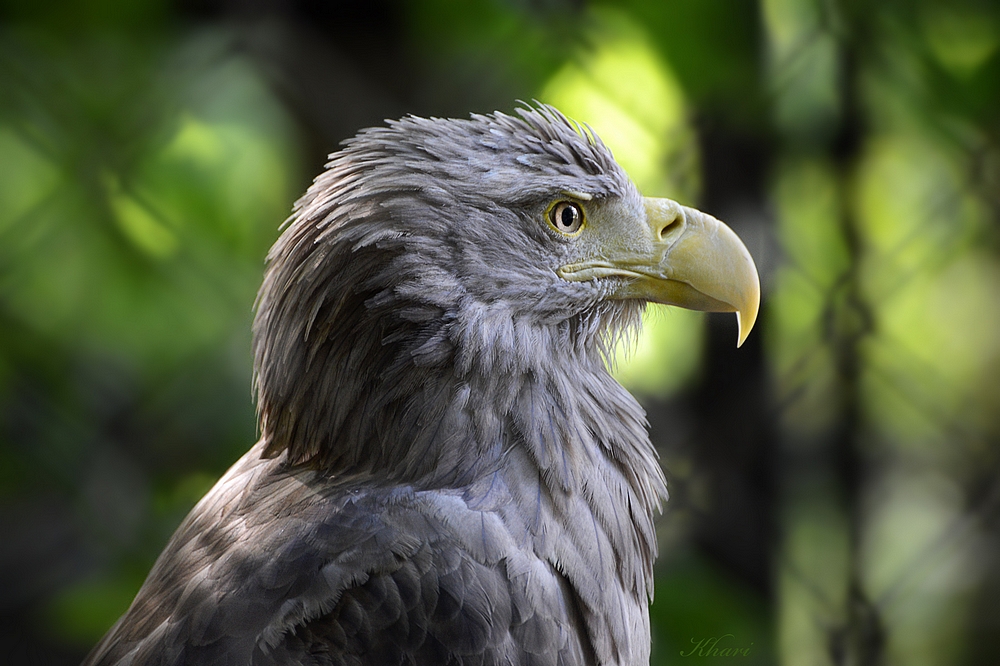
419,248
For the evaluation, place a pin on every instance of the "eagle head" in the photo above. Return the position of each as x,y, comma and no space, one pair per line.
435,258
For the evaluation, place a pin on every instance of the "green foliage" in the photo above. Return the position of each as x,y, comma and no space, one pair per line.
86,609
696,602
141,183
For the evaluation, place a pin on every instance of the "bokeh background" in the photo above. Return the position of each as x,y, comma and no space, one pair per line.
834,483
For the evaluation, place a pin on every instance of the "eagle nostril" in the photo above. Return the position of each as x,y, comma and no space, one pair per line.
672,223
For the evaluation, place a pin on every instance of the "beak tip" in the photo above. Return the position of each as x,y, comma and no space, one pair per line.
745,320
742,334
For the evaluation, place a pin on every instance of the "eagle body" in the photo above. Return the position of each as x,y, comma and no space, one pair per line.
447,473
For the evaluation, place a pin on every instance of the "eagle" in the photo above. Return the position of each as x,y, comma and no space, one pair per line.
447,472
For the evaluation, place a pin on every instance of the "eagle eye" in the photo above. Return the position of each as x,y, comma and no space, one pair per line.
566,217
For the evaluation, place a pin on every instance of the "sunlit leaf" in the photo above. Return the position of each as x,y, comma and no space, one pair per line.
624,90
961,35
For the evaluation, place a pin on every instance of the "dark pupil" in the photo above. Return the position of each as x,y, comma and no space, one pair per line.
567,216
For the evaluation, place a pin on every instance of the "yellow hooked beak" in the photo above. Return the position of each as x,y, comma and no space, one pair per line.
689,259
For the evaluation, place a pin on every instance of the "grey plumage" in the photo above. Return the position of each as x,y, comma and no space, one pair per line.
447,473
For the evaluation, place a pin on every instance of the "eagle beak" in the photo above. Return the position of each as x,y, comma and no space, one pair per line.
698,263
692,260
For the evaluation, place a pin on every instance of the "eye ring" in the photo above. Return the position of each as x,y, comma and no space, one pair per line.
566,217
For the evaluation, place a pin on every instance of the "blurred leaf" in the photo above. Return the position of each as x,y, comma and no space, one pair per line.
695,601
202,195
488,51
808,203
803,63
712,47
27,179
961,35
81,613
138,222
628,95
920,568
934,290
814,574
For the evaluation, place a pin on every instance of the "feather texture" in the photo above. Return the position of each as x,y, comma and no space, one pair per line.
447,473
